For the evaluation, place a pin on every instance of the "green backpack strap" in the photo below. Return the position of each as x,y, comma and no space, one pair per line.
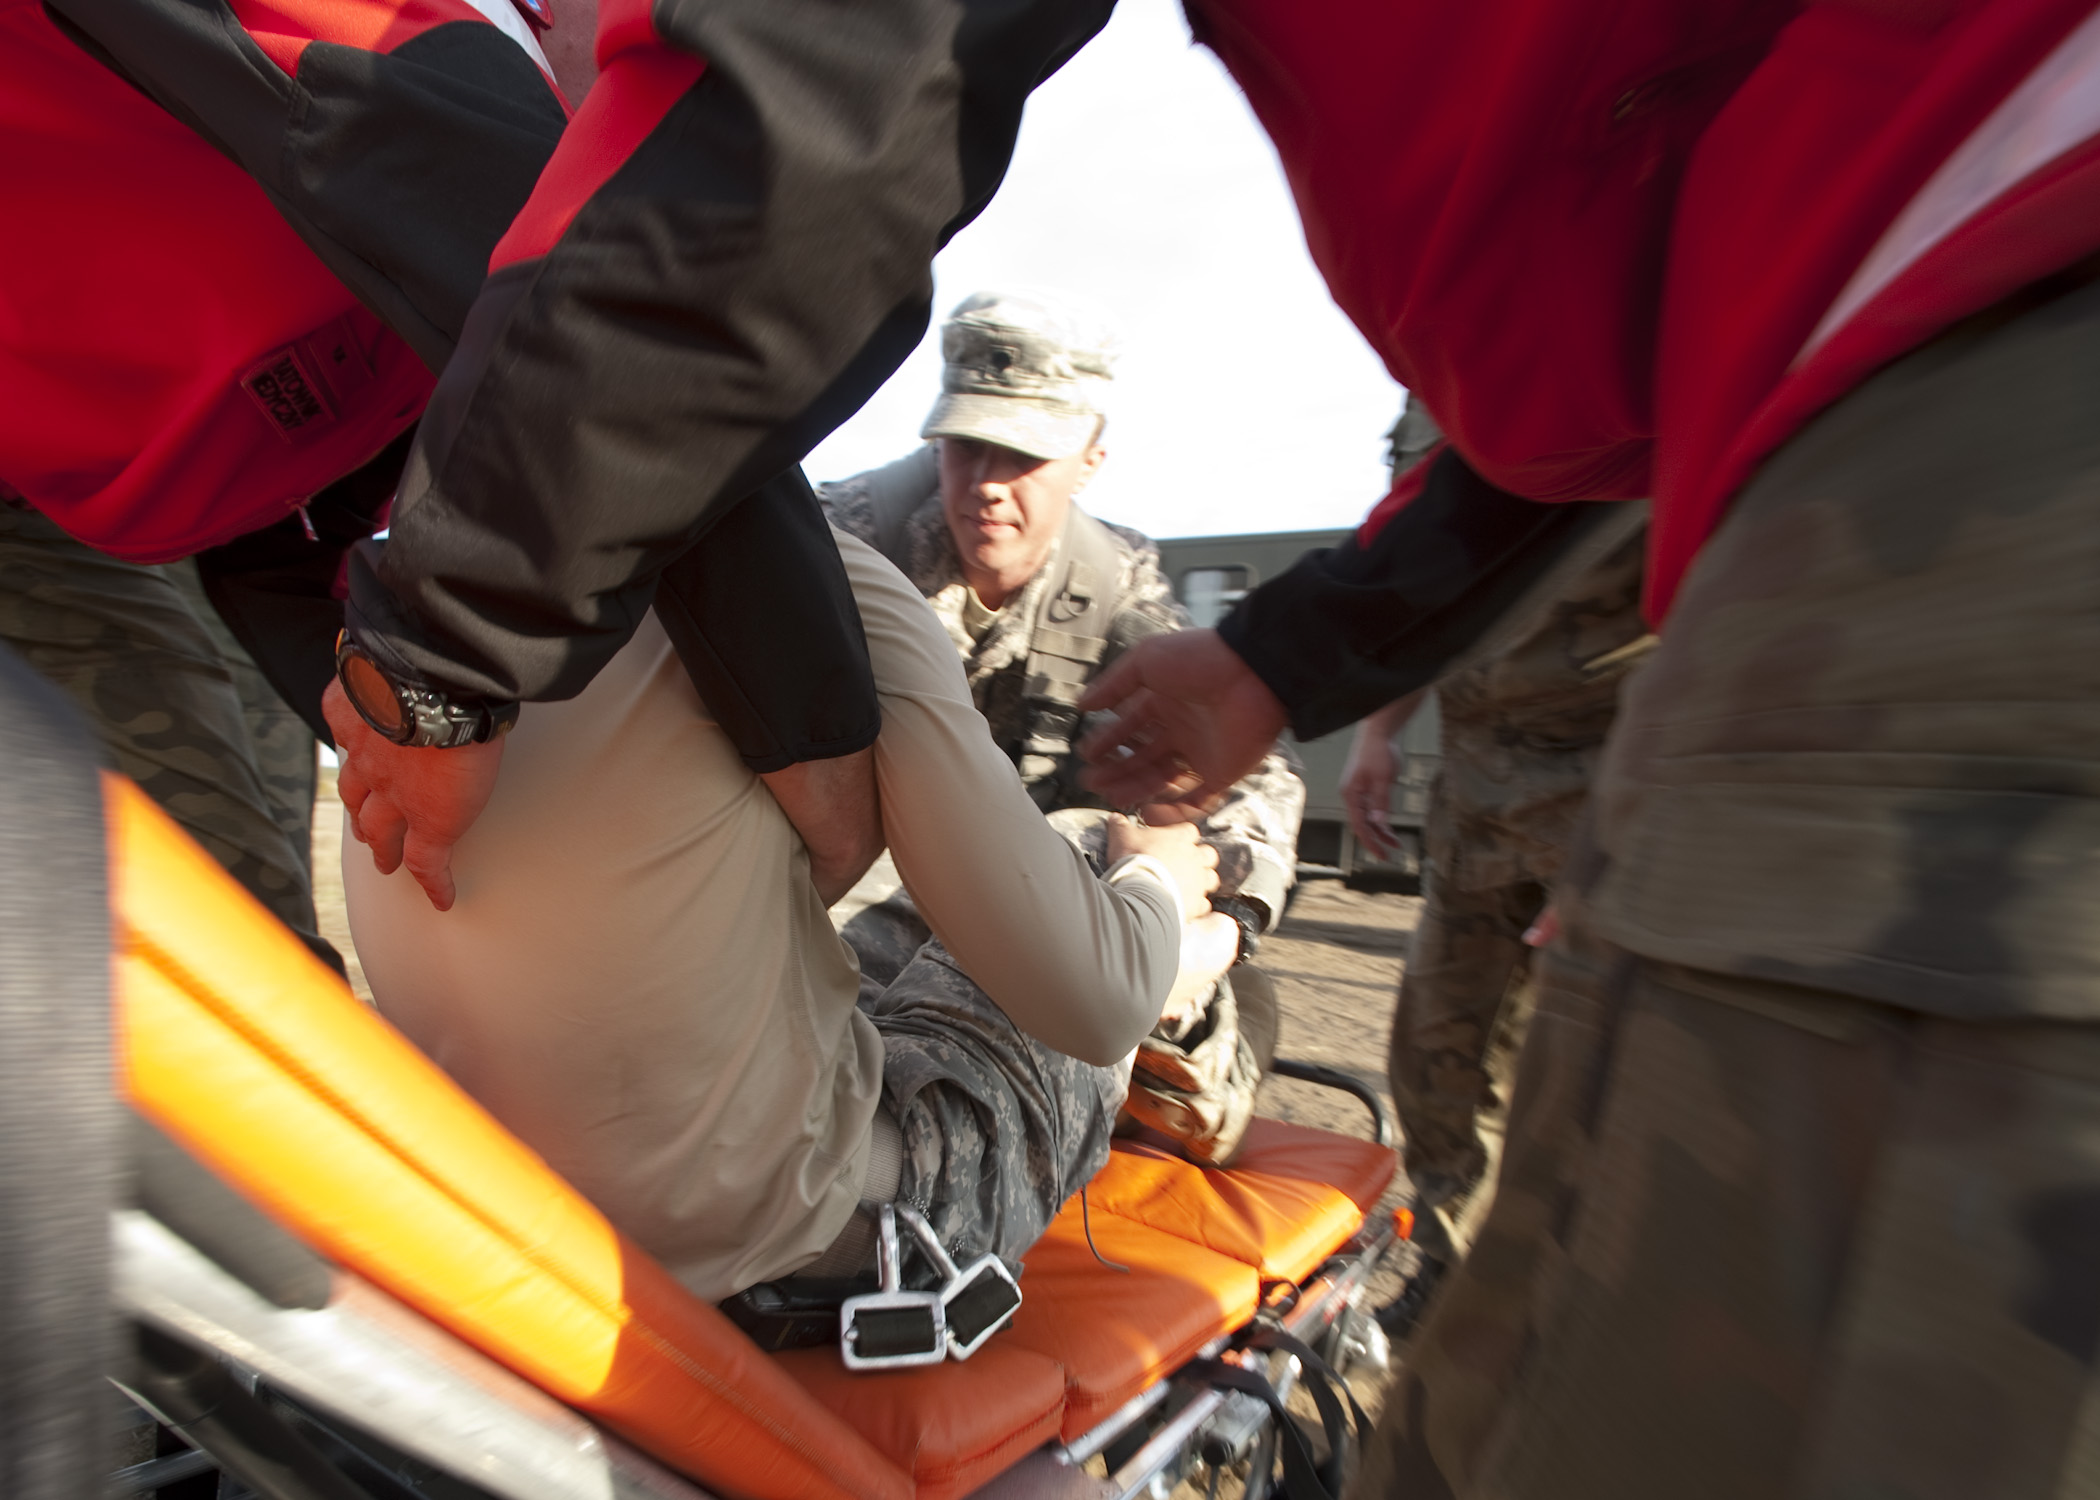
1071,634
896,491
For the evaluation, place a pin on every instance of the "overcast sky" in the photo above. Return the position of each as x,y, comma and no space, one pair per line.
1245,401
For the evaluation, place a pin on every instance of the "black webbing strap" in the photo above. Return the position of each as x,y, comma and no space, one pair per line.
61,1140
1304,1478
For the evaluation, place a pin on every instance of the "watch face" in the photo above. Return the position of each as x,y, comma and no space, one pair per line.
372,695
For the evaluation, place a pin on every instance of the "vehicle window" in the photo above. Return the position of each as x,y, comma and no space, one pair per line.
1207,593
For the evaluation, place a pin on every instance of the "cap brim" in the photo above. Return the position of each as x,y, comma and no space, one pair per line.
1011,423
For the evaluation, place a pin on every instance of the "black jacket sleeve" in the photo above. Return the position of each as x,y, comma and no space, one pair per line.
402,169
278,589
748,275
1347,630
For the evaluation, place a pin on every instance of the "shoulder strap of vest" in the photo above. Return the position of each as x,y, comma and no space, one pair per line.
895,493
1071,623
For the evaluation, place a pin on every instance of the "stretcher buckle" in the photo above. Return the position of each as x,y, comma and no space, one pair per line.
892,1329
978,1300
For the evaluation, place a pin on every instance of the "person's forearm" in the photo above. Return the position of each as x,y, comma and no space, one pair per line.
1079,963
833,805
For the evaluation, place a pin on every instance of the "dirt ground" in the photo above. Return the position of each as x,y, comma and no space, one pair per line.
1336,959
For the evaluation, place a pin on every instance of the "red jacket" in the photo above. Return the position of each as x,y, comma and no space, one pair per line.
180,366
1596,237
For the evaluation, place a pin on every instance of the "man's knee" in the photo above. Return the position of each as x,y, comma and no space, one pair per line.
998,1130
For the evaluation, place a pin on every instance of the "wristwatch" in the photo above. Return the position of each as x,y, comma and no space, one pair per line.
409,713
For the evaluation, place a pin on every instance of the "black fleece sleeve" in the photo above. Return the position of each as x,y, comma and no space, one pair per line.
748,275
707,320
1347,630
277,589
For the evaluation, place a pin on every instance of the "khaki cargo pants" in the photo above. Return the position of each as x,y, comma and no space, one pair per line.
1802,1191
177,704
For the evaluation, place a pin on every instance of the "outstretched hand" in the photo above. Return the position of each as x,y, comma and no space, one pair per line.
409,806
1191,719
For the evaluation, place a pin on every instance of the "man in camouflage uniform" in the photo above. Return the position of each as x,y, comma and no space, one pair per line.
1522,732
1038,596
179,707
1801,1193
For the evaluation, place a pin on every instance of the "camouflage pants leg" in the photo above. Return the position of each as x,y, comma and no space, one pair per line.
124,644
886,934
1756,1240
998,1130
1456,1031
286,752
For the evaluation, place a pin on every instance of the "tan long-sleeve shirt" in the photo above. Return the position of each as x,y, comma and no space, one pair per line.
640,981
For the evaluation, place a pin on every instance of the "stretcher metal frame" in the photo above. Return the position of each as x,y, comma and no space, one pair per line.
330,1233
387,1380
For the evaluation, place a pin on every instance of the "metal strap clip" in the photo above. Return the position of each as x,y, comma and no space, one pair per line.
892,1329
977,1301
895,1329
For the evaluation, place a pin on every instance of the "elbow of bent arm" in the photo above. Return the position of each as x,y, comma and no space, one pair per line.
1110,1039
1105,1046
1103,1018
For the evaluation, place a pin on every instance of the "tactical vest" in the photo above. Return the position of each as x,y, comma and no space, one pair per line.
1070,636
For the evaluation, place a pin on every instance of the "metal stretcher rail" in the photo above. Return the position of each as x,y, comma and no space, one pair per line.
1316,1308
376,1365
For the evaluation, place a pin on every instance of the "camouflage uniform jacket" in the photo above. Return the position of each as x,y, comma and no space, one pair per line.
1523,730
1255,831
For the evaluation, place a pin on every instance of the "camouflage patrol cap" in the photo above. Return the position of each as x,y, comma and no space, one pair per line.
1025,371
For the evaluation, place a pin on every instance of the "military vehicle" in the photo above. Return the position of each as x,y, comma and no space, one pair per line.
1212,573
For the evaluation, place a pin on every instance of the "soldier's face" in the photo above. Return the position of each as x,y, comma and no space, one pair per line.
1005,509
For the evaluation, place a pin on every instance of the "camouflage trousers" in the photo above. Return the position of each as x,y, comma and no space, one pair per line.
1197,1085
1756,1240
998,1130
178,706
1802,1189
1464,1006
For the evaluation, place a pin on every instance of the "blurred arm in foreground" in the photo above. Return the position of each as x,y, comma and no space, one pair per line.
1425,582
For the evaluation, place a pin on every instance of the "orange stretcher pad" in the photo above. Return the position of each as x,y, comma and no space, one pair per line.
242,1046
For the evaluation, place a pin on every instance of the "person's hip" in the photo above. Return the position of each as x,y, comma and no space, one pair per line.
1866,757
